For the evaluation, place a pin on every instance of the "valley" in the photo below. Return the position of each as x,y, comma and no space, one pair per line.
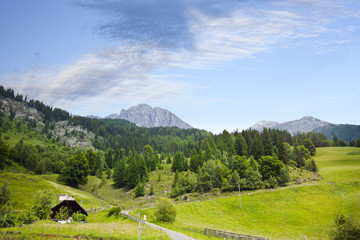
292,186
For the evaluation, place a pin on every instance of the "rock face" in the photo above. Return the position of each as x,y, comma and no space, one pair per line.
144,115
305,124
69,135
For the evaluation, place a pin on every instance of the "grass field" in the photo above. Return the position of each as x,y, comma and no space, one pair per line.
287,213
293,212
24,188
98,226
125,197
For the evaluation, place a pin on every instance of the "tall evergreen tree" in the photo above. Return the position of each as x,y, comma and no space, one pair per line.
256,147
109,158
179,162
283,156
241,145
91,157
133,175
195,161
267,142
119,174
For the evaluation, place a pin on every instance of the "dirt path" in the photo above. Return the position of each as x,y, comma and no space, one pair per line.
172,234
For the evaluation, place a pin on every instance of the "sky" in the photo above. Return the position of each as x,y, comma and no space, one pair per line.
215,64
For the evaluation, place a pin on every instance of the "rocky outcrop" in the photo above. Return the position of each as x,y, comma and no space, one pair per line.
68,134
144,115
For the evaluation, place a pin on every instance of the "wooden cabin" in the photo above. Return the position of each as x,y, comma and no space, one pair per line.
70,203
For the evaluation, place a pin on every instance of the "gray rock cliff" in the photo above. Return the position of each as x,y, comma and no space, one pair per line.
144,115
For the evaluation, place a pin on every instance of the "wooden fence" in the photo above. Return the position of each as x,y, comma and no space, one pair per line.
224,235
95,210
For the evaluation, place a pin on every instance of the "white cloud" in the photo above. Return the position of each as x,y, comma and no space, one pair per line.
124,74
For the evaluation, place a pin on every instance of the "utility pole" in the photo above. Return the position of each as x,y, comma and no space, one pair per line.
240,194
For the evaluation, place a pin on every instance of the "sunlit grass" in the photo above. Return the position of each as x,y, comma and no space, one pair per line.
24,188
287,213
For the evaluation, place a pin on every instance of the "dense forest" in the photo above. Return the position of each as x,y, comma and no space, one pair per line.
200,160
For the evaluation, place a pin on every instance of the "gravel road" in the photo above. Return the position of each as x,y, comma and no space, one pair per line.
172,234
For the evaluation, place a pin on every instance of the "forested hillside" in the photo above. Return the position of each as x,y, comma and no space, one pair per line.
201,160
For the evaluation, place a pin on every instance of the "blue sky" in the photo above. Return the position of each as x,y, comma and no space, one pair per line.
215,64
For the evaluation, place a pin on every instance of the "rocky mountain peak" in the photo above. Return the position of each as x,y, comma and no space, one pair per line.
305,124
146,116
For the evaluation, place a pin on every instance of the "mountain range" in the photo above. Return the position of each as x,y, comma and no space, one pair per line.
144,115
305,124
345,132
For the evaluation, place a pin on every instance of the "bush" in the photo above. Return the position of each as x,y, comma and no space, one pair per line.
114,211
79,217
26,217
272,182
345,228
310,165
140,189
165,210
292,163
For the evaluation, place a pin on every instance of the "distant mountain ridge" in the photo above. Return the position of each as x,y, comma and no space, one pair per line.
144,115
345,132
305,124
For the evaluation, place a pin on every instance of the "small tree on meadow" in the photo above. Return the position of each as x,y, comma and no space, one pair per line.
165,210
42,204
78,217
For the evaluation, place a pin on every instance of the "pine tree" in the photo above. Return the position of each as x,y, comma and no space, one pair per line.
241,145
119,174
109,158
267,142
257,148
91,157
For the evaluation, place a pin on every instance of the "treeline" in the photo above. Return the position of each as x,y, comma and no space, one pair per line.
116,133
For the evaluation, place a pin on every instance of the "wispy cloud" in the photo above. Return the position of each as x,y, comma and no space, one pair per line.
163,34
121,73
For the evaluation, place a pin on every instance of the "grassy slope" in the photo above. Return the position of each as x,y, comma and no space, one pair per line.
289,213
125,197
24,188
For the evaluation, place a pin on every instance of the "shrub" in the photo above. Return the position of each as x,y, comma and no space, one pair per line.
79,217
345,228
310,165
165,210
26,217
140,189
114,211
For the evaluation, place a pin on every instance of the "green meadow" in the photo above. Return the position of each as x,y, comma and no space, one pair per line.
98,226
304,208
294,212
24,187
